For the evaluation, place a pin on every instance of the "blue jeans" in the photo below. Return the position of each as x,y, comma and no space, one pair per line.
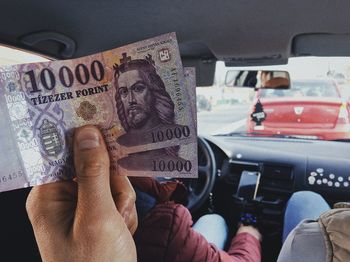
302,205
213,227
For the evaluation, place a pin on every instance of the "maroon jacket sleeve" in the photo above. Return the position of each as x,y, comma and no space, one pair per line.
166,235
244,248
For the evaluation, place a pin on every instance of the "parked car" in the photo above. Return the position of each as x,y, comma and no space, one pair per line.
312,108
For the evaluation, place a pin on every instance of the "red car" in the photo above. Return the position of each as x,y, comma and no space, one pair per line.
309,109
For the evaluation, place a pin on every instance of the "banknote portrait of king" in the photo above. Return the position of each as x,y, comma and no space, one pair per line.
142,101
143,105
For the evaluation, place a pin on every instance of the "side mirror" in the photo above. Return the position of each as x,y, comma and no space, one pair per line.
258,79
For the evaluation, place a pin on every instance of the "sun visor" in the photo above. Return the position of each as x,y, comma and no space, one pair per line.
205,70
321,45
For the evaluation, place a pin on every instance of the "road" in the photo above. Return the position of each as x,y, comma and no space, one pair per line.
224,119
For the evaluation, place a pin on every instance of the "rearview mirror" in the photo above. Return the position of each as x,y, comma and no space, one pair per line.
258,79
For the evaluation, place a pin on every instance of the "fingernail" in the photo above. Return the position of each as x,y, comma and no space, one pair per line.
88,138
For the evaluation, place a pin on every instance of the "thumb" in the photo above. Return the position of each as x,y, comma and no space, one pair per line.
91,162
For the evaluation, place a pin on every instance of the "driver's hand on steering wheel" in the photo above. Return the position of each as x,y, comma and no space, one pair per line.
86,220
250,230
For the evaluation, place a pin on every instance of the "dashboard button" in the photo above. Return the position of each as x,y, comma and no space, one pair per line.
330,183
331,176
325,180
340,179
313,173
337,184
319,182
346,184
319,170
311,180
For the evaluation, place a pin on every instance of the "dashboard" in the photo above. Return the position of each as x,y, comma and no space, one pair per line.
288,165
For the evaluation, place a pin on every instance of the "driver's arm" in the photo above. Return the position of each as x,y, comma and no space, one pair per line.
172,190
245,246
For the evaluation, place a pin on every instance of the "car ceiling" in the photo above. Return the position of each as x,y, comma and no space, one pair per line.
236,31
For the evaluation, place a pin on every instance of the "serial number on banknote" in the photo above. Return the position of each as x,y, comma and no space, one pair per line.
11,176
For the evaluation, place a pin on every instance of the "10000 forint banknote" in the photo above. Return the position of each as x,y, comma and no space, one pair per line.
177,161
136,94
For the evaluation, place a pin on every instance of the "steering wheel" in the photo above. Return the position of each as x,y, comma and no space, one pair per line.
199,188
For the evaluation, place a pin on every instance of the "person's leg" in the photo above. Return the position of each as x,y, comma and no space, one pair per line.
302,205
214,228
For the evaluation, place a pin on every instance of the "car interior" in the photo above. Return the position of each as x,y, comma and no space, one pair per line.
237,33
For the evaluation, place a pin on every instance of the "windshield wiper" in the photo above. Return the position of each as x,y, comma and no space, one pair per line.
255,134
295,136
347,140
239,134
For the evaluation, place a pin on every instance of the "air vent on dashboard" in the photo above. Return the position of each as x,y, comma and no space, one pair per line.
274,177
233,169
277,178
278,172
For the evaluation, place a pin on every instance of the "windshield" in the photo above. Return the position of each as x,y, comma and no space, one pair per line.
317,106
13,56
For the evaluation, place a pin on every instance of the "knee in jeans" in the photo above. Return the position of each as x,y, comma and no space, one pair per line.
211,218
305,196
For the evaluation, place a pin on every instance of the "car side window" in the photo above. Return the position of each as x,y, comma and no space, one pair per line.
12,56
